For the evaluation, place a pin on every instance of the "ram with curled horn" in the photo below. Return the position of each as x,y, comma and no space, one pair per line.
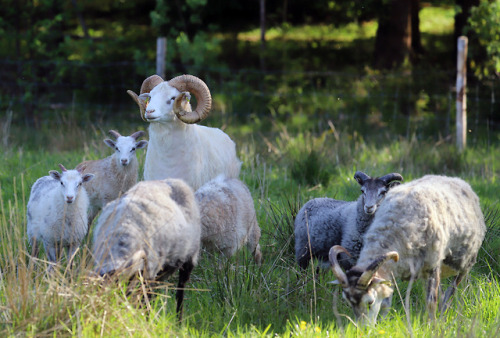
429,229
178,147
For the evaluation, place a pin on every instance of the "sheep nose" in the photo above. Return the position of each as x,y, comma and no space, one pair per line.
69,199
124,161
150,111
370,209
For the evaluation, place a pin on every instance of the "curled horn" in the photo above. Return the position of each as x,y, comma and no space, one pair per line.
367,275
192,84
336,269
391,177
62,168
137,134
147,86
360,177
114,133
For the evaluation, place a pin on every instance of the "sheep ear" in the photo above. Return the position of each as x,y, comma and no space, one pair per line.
55,175
141,144
87,177
110,143
144,98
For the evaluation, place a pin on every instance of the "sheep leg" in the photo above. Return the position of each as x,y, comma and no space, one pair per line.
34,248
432,292
450,291
51,256
253,245
184,273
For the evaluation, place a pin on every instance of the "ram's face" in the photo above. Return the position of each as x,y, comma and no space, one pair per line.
159,103
365,303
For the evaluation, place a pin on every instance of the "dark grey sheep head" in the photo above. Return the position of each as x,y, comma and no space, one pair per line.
374,189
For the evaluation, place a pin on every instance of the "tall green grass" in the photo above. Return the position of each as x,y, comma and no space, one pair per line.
235,297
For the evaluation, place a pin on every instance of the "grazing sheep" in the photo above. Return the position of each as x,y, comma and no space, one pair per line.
114,174
324,222
57,212
228,217
179,148
432,228
153,228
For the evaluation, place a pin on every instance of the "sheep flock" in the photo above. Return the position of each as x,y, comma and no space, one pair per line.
192,202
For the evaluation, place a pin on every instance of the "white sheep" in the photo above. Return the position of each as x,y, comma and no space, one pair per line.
57,213
114,174
432,228
179,148
228,217
153,228
324,222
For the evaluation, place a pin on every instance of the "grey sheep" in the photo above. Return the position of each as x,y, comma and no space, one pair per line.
324,222
228,217
153,228
430,228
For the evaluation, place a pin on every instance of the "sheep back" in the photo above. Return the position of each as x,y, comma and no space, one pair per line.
110,181
210,153
159,217
435,221
319,223
228,217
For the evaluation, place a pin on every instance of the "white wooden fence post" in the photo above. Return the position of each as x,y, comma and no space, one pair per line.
161,53
461,102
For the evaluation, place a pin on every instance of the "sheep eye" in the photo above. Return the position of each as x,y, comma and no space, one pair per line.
383,192
133,149
116,148
62,183
172,98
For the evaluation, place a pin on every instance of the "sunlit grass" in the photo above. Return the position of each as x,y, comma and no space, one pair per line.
437,20
433,20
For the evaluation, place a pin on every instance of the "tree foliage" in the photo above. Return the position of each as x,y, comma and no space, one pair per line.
484,22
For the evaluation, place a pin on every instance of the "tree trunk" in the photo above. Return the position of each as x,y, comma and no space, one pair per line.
393,39
416,41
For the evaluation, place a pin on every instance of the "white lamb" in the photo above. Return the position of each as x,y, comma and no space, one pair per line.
431,228
114,174
228,217
179,148
57,213
153,228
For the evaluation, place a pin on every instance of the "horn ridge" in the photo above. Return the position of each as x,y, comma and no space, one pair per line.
200,90
391,177
367,275
336,269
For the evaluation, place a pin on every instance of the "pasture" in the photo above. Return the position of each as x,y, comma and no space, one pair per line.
283,168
